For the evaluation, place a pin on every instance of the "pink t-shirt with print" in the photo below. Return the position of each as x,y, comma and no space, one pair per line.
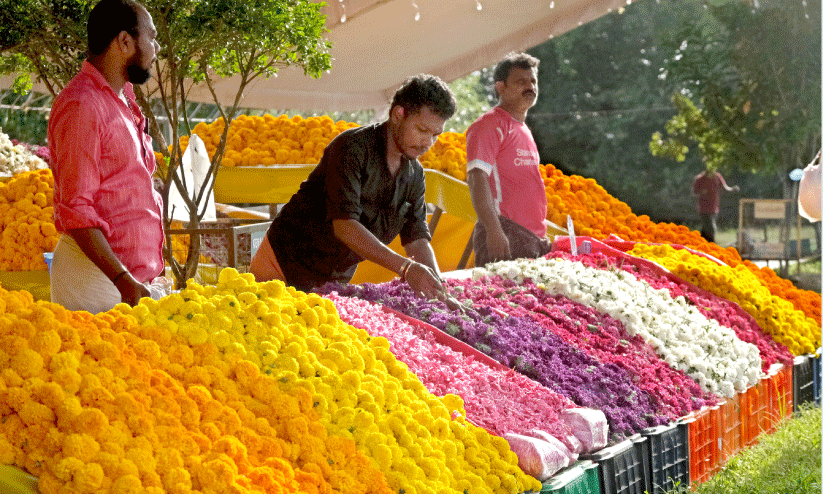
504,149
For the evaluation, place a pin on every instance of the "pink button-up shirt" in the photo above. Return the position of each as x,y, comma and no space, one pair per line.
102,161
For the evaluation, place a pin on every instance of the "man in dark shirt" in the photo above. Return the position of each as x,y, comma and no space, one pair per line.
367,189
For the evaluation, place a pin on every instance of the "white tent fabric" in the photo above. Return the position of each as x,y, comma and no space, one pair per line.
380,44
376,44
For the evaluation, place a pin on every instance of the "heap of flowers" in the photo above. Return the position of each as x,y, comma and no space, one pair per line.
723,311
776,316
807,301
706,351
448,154
498,401
101,404
596,334
358,389
26,221
527,347
270,140
16,157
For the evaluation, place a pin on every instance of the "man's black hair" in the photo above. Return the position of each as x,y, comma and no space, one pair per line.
107,20
425,90
516,60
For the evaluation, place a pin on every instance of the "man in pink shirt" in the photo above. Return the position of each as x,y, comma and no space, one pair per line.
503,170
706,188
104,203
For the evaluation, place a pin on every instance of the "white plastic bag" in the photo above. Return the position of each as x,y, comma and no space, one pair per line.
195,172
572,444
808,196
536,457
571,456
588,425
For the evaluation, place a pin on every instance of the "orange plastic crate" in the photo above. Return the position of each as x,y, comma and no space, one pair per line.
781,395
704,450
754,404
731,432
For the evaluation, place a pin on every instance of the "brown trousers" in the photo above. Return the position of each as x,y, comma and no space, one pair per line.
522,242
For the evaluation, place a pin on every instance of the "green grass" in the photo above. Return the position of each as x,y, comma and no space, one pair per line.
786,462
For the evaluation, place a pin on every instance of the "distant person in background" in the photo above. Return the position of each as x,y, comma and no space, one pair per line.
707,187
503,170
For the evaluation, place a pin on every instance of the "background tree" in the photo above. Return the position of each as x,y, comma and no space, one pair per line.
746,83
201,40
601,98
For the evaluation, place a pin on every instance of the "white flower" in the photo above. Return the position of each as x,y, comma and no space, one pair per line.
17,159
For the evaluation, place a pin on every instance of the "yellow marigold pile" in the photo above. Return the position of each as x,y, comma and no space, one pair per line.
100,404
777,316
26,220
448,154
361,392
270,140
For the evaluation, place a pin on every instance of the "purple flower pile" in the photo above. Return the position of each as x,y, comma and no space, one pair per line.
599,335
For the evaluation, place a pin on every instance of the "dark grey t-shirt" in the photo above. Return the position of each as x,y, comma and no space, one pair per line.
352,181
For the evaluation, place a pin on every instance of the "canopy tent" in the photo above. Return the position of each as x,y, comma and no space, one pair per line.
376,44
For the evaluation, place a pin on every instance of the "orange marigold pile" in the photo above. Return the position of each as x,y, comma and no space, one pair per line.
26,220
100,404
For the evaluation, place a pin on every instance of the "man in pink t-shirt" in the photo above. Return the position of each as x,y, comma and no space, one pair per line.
105,207
706,188
503,170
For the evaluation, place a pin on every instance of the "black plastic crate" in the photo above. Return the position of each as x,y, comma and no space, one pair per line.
620,467
667,457
803,380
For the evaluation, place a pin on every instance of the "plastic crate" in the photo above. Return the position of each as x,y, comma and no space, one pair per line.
754,403
731,428
780,393
818,374
580,478
667,458
620,468
803,380
227,242
704,443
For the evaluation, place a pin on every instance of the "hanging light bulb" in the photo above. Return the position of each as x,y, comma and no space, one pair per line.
416,11
551,5
343,14
479,7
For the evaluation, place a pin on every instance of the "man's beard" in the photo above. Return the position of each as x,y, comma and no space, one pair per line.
136,73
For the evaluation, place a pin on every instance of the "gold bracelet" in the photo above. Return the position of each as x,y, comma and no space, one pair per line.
405,269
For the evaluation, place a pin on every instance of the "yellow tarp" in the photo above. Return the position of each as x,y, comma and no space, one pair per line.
276,184
35,282
449,240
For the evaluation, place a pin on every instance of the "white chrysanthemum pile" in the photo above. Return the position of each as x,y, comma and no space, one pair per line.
16,158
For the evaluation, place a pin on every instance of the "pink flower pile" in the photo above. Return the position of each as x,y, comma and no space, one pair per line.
498,401
598,335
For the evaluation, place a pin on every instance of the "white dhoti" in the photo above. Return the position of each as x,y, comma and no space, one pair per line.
77,283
